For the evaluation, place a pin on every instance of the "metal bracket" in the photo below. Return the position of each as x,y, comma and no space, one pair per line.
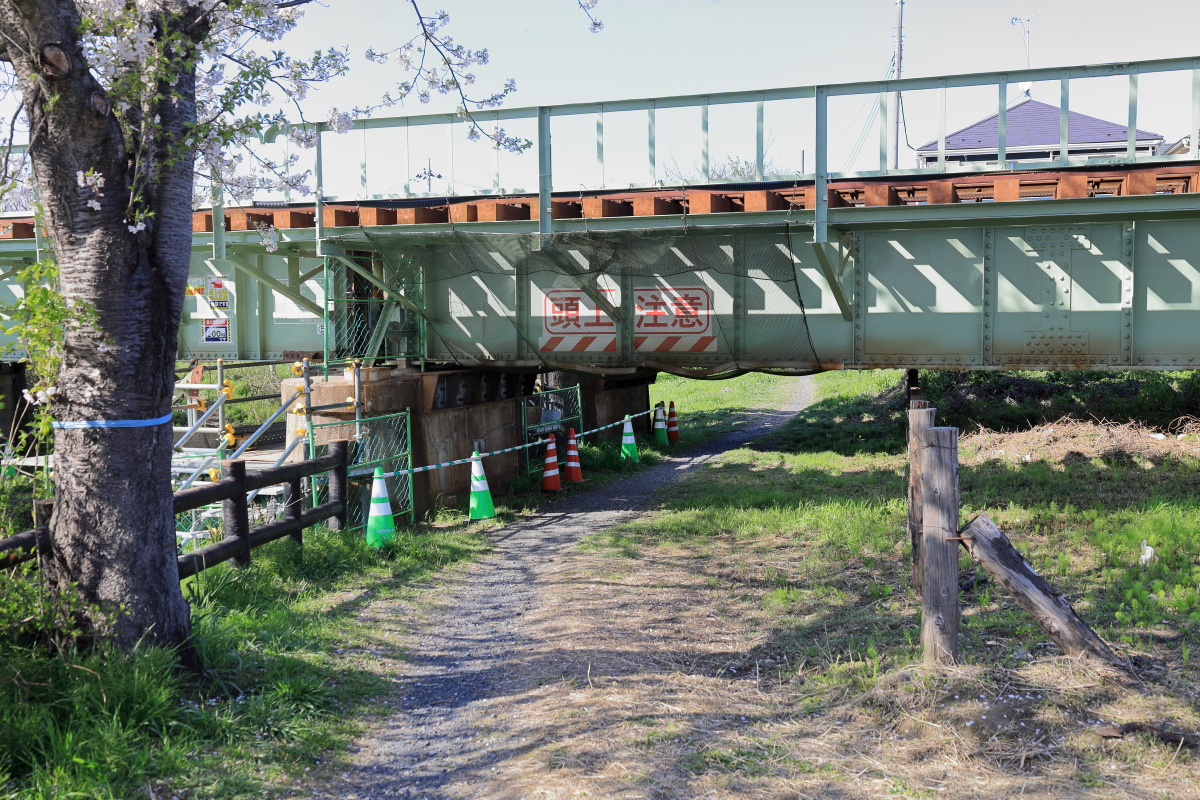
261,276
380,331
580,279
828,255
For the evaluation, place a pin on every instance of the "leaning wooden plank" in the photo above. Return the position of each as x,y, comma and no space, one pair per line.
989,546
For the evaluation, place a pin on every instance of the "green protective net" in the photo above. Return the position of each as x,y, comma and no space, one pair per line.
692,301
360,322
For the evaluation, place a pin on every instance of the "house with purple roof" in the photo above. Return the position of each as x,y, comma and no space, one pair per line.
1033,136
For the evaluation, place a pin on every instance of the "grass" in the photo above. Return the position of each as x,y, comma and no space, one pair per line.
281,690
789,555
1082,522
16,504
291,667
804,533
707,409
249,382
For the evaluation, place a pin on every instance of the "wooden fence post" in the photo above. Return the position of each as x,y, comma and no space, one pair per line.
293,508
237,510
920,415
338,489
912,388
42,511
939,558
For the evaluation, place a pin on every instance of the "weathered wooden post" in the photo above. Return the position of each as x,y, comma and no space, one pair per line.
920,416
912,387
42,511
293,508
237,510
338,489
991,548
939,557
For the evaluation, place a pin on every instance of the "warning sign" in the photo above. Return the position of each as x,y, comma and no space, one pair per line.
572,311
666,319
215,331
216,287
668,310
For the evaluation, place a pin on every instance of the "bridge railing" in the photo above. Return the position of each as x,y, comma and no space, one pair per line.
540,124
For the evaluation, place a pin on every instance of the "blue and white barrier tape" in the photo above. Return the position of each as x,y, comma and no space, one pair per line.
613,424
462,460
415,470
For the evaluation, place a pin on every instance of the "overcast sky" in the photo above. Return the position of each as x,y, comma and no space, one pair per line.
654,48
670,47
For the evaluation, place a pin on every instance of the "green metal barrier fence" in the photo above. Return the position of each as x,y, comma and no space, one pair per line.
384,442
553,411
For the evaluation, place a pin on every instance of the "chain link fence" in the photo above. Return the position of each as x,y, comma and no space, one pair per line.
552,411
384,442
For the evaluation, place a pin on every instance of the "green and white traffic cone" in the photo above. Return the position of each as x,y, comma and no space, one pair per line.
481,498
380,525
660,428
628,443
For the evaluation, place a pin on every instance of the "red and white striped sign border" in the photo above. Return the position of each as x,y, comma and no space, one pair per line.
641,344
666,320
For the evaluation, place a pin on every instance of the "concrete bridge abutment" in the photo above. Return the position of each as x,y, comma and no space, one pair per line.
455,412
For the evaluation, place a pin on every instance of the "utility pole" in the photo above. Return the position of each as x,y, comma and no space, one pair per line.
896,94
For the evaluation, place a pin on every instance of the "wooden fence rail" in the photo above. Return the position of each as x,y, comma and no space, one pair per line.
231,490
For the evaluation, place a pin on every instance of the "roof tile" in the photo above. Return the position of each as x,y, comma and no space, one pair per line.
1031,123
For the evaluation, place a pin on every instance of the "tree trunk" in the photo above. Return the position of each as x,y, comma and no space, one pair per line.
113,528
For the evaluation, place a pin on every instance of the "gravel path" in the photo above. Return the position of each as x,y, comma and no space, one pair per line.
472,651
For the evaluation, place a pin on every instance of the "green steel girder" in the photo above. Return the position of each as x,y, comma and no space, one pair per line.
393,294
292,294
581,279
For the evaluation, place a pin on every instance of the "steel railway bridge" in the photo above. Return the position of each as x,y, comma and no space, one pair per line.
1067,264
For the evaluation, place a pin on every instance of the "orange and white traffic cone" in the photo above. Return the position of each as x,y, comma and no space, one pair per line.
550,479
573,473
672,425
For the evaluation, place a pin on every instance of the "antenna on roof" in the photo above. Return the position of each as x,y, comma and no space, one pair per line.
1027,35
898,59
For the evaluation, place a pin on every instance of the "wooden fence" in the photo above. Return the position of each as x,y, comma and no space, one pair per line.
231,490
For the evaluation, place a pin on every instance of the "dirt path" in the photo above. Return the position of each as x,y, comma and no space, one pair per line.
478,695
